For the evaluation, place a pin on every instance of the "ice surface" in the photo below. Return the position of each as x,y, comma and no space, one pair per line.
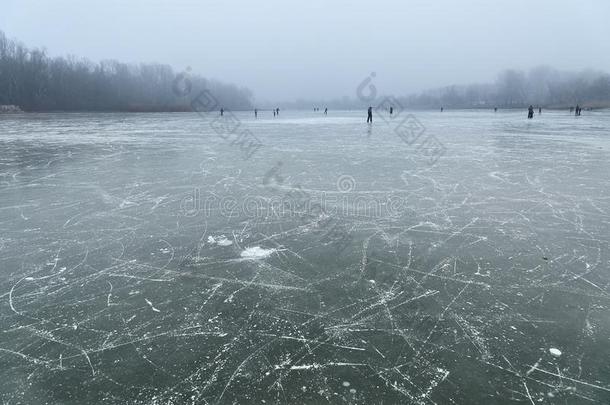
415,283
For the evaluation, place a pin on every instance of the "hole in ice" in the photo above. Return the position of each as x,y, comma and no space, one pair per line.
256,252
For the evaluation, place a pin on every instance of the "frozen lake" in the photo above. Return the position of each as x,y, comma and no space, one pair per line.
458,257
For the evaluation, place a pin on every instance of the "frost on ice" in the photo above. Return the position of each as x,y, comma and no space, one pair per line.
495,261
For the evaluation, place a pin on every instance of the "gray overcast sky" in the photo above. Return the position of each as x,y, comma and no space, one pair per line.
285,49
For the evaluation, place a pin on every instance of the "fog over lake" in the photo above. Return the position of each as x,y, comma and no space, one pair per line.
318,49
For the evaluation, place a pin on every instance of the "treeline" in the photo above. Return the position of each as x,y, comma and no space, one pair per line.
541,86
36,82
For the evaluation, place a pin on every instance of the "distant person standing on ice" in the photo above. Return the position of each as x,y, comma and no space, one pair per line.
442,109
255,113
277,110
539,110
369,118
222,112
274,112
326,111
530,112
391,110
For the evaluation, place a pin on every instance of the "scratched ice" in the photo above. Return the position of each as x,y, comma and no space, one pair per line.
485,281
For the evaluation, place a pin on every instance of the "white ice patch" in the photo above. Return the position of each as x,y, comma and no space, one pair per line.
224,242
555,352
219,240
256,252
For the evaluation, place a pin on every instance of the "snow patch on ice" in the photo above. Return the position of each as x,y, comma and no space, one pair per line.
257,252
224,242
219,240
